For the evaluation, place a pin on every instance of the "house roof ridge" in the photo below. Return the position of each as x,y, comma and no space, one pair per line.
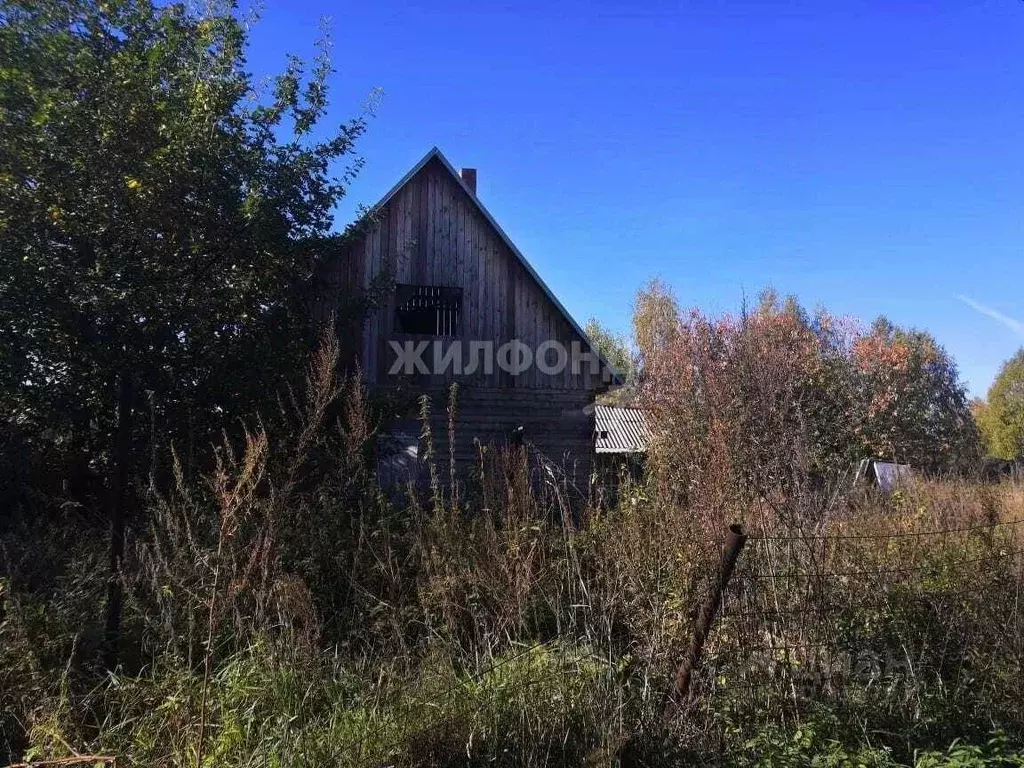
435,152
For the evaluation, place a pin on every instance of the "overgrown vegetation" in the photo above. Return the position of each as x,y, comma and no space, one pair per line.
1001,416
198,566
280,611
778,385
165,223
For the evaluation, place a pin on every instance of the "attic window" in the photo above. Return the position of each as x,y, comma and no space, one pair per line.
429,310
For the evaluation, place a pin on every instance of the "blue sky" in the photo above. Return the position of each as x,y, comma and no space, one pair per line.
868,157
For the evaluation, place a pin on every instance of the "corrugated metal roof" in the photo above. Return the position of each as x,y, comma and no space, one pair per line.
620,430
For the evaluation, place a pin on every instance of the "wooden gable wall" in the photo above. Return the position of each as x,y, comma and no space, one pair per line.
430,232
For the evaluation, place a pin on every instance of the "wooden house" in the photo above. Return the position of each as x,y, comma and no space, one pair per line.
467,307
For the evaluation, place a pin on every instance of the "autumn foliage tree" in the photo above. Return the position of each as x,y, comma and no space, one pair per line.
655,318
744,403
915,409
776,403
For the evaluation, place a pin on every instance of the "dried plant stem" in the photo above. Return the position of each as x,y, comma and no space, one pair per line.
208,654
109,760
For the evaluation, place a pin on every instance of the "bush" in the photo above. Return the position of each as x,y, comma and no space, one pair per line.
478,625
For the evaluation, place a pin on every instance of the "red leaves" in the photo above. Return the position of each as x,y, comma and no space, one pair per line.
746,399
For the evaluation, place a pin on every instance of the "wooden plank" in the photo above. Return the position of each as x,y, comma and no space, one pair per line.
440,224
523,320
432,214
480,256
509,297
472,272
545,380
386,263
496,286
448,275
428,228
422,275
367,335
541,335
376,331
458,230
395,235
569,381
408,233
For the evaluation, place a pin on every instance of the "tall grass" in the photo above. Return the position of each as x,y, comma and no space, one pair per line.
282,610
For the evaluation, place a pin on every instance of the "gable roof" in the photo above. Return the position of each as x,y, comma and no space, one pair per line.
617,379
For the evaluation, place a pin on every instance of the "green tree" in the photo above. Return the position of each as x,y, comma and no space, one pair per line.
161,225
1002,419
656,318
615,348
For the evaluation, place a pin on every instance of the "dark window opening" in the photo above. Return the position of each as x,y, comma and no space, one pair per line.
428,310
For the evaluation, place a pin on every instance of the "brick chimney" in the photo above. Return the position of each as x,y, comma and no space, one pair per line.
469,179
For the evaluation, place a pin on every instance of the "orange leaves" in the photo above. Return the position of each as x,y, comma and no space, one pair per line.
756,394
874,351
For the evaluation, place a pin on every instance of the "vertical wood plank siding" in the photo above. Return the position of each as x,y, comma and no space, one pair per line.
431,232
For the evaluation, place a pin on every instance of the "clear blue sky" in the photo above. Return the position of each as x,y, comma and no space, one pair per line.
864,156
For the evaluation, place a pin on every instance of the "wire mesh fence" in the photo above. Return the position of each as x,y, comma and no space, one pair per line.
812,618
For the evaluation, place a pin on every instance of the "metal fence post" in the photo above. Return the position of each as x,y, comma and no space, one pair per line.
735,538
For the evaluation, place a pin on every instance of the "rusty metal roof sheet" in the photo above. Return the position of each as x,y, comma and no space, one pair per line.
620,430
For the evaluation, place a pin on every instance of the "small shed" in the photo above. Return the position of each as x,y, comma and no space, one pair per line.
884,475
621,437
619,430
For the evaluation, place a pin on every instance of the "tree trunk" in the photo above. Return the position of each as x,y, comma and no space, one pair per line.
118,504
